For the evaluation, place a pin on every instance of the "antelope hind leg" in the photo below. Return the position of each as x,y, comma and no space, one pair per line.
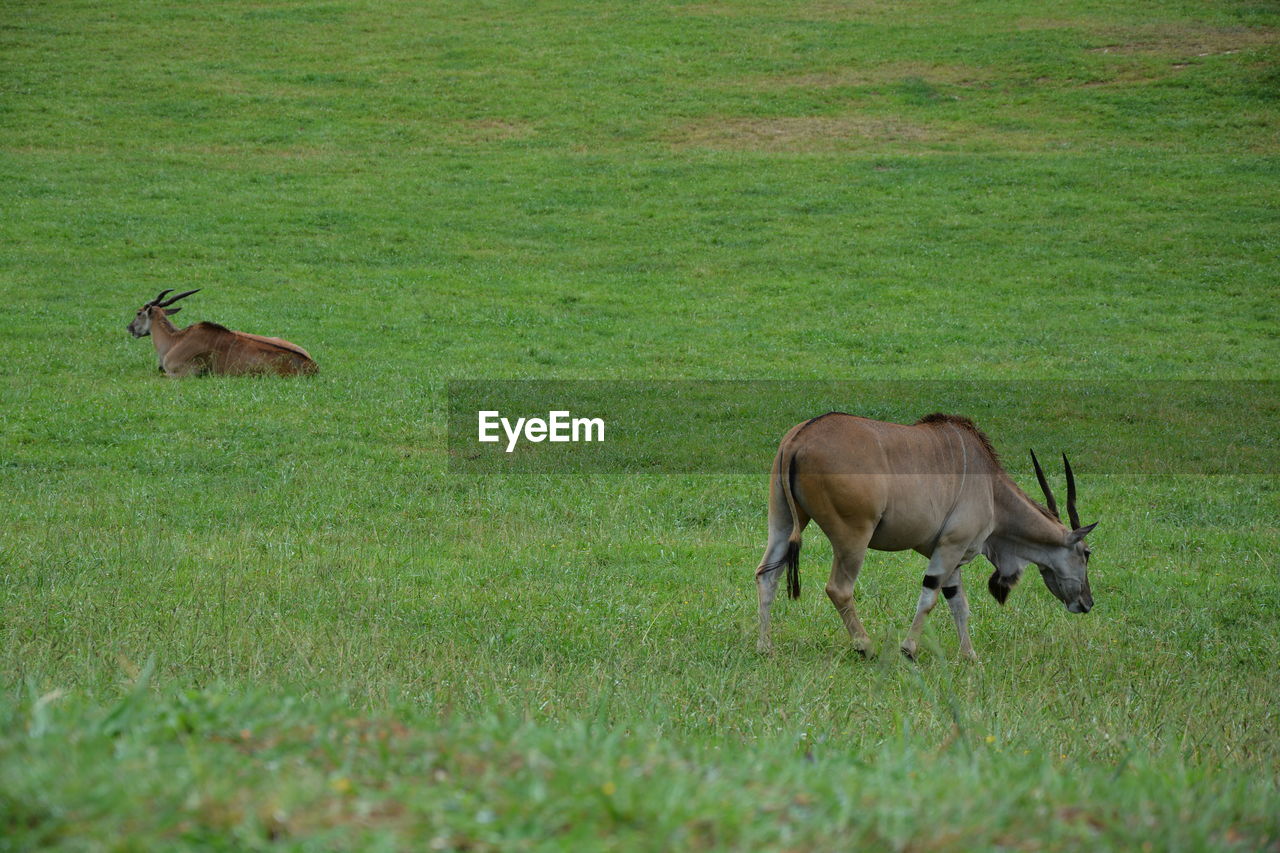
768,573
845,566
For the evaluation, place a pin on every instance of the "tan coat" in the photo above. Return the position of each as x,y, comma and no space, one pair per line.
936,487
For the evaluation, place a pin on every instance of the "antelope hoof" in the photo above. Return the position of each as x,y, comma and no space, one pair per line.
863,648
909,650
764,647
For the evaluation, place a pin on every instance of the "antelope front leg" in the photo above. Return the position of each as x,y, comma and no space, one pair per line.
941,566
959,605
928,598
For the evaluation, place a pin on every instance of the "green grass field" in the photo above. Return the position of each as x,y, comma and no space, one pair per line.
256,613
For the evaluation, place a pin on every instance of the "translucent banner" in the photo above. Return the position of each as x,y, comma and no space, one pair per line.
513,427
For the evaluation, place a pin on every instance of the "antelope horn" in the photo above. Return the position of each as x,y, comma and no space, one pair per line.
1044,486
156,301
1071,495
169,302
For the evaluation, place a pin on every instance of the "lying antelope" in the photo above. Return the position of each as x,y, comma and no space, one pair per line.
210,348
936,487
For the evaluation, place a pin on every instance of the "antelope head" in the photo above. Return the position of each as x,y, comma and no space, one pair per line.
1065,567
140,326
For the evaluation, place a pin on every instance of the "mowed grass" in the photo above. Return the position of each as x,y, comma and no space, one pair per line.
253,613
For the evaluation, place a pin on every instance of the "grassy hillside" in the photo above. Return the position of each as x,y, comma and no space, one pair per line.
251,613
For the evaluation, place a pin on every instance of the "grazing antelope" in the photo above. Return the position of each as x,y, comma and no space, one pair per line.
936,487
209,348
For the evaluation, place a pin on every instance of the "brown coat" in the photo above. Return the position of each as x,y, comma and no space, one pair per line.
210,348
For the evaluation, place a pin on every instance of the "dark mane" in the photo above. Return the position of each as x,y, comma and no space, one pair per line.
966,424
213,327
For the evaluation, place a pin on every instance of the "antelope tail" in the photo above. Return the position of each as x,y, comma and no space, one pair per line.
787,475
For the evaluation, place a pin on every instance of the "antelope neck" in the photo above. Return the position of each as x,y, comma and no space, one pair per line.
163,332
1023,520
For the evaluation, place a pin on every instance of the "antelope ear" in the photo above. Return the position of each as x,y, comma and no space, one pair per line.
1076,535
172,311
